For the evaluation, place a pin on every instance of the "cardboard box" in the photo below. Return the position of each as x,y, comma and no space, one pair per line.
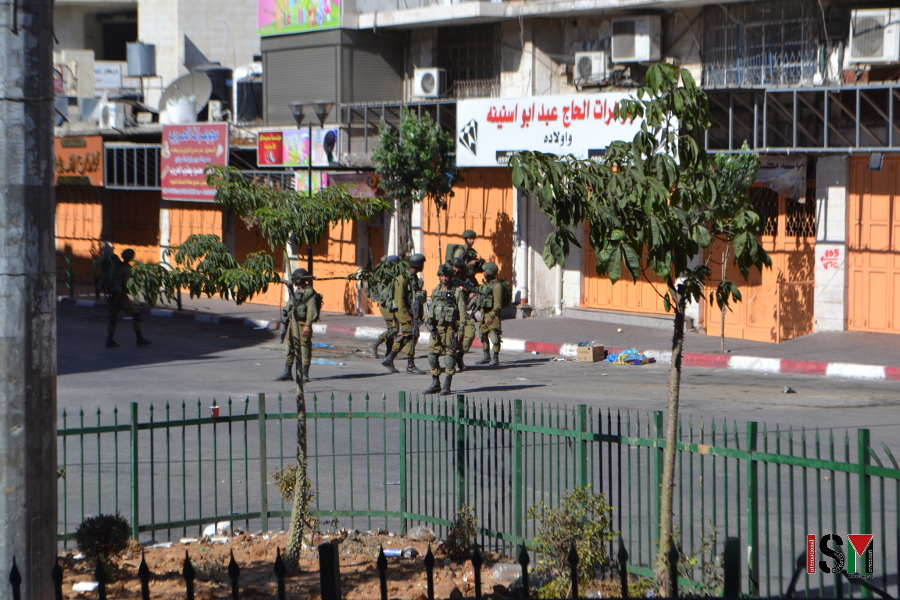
591,353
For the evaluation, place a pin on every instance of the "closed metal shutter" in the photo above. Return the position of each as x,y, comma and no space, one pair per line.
301,75
377,74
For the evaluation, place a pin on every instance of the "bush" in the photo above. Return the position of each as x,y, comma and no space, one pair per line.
461,537
583,518
103,536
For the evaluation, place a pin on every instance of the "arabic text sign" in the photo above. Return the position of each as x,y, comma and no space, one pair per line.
79,160
290,147
785,175
185,152
107,75
490,130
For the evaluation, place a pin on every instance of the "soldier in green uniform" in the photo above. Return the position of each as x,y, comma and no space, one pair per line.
468,328
302,310
446,318
114,282
491,295
383,294
409,298
469,255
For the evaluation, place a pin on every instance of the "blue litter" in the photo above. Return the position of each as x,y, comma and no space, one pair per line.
324,361
626,356
318,345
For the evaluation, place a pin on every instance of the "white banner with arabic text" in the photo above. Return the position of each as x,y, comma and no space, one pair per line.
490,130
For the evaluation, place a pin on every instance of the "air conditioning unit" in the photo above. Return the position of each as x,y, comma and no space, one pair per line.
112,115
429,83
875,35
590,67
636,39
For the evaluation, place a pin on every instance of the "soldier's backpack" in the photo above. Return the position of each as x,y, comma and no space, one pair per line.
107,272
506,295
454,251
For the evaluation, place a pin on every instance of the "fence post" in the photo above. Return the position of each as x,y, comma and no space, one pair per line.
752,511
402,450
460,452
731,567
865,495
517,491
658,465
263,464
581,446
135,498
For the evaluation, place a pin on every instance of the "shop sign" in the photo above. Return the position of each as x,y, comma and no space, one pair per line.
79,160
290,147
359,185
107,75
279,17
490,130
185,152
785,175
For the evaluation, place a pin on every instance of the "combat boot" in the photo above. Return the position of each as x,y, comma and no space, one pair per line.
111,343
388,362
487,356
305,372
411,367
435,385
373,347
141,340
495,360
445,391
460,366
286,376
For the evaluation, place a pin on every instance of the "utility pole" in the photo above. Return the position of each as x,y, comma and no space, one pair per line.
28,518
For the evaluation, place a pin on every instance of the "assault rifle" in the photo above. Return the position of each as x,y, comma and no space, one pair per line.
285,314
416,308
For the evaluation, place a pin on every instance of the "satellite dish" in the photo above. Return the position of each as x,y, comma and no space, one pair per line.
197,85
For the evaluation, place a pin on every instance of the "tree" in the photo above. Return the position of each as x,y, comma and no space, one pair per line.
737,172
281,215
650,205
417,161
204,265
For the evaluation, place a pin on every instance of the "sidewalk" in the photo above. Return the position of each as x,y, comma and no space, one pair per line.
832,354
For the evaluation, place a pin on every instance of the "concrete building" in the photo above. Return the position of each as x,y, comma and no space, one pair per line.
816,97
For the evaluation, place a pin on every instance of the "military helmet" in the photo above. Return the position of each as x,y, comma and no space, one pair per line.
445,270
417,261
391,258
127,254
490,268
468,233
457,261
300,274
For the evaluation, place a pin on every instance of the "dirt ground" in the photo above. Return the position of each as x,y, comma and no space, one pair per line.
255,555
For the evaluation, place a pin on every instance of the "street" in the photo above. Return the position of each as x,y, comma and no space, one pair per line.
190,361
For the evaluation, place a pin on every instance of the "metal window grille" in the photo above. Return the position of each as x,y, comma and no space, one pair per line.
767,42
471,56
801,218
766,201
131,166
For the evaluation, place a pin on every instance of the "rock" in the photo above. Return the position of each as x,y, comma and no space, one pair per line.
500,591
422,534
419,595
455,594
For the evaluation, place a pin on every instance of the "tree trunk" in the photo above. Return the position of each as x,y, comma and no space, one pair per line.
724,308
438,211
300,509
666,502
405,246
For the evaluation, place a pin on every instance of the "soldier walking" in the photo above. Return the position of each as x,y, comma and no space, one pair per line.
491,295
446,318
300,312
383,294
114,282
409,300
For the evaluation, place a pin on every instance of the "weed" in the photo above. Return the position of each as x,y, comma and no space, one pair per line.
461,537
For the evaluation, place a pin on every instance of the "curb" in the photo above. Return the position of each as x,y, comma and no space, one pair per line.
690,359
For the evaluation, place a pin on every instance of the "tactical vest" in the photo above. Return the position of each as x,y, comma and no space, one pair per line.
301,298
487,295
443,309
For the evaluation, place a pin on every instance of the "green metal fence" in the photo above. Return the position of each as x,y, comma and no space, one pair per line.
380,464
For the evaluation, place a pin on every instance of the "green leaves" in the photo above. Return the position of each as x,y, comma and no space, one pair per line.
416,161
652,203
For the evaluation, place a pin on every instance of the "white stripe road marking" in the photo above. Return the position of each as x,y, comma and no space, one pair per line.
568,350
754,363
661,356
85,303
206,318
854,371
159,312
367,333
513,345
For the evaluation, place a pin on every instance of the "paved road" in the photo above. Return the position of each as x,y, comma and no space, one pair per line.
190,361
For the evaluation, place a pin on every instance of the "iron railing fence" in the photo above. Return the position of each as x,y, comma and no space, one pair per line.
376,464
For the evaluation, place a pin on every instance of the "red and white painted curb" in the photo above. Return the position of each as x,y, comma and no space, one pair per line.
690,359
